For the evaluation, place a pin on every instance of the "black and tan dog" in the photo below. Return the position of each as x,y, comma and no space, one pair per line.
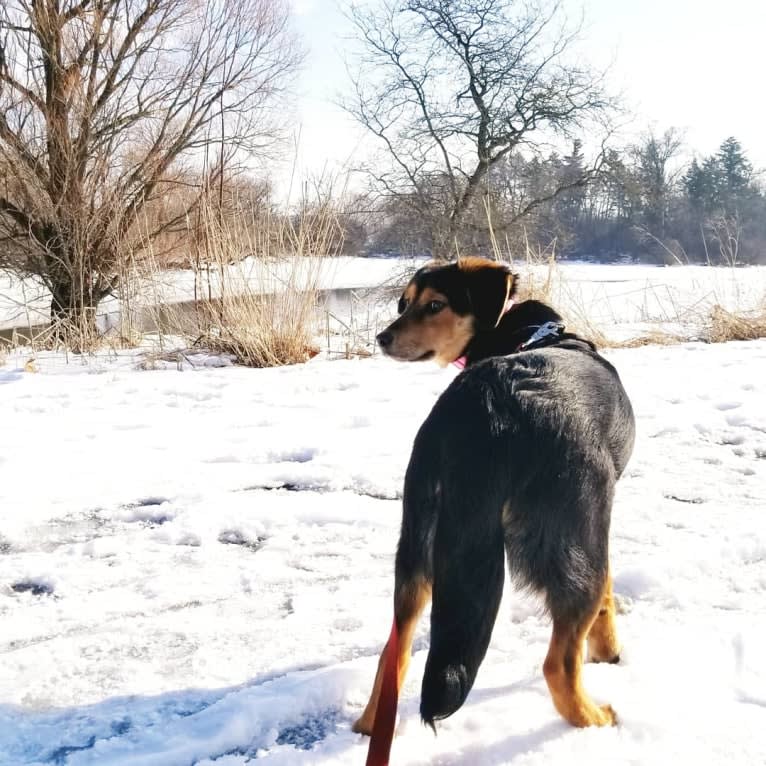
519,456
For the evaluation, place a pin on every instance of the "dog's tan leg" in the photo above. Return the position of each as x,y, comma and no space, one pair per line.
409,603
603,645
563,672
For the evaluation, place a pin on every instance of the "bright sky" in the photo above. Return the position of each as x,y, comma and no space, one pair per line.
692,64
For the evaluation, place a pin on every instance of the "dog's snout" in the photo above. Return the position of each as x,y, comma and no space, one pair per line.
385,339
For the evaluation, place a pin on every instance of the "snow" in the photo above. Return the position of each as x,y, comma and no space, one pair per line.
196,567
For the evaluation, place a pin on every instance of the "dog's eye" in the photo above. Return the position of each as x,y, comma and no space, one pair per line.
402,307
434,307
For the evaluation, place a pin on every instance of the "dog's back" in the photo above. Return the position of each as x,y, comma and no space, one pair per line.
521,453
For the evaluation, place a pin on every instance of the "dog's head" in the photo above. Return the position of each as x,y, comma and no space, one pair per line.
444,306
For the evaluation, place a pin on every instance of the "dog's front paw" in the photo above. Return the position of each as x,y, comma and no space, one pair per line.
595,715
607,718
612,657
590,714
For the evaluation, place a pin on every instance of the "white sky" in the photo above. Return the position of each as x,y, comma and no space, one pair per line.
692,64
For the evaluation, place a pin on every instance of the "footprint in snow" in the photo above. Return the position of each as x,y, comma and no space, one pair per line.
35,587
147,502
310,731
61,754
235,537
680,499
723,406
304,735
148,511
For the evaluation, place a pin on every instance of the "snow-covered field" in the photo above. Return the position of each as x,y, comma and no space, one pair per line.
196,568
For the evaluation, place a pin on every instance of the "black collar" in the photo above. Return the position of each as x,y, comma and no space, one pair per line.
542,335
552,334
536,336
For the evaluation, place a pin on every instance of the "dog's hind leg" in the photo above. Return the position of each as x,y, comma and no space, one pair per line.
563,671
603,645
413,570
410,598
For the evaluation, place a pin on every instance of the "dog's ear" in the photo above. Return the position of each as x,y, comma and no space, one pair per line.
491,285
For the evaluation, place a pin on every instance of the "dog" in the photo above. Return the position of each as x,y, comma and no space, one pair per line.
518,459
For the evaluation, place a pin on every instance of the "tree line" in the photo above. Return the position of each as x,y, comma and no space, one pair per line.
642,203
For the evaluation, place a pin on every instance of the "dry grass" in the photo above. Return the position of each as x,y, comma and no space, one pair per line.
69,337
353,336
260,331
713,325
537,267
542,279
255,289
655,337
80,337
725,326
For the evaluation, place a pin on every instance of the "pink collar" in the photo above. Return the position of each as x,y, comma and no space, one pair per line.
462,361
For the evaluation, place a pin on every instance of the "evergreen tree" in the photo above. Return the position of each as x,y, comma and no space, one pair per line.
569,204
735,176
703,185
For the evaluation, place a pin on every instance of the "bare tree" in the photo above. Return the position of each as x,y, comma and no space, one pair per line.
452,88
101,103
657,174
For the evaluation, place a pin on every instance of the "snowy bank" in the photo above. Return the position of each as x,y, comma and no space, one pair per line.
196,568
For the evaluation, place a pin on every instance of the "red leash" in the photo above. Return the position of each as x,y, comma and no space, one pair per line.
385,715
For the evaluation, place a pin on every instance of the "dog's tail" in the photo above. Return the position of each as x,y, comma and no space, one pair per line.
468,576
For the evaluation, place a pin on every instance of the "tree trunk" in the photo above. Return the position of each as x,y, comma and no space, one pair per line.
73,315
455,221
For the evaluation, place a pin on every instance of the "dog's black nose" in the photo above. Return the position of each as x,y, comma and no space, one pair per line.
385,339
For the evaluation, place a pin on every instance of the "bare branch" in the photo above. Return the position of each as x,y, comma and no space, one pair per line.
102,101
452,89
